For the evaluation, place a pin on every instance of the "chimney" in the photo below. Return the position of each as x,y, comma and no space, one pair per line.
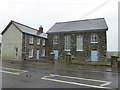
40,29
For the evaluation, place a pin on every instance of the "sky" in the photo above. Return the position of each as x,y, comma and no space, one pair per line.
47,12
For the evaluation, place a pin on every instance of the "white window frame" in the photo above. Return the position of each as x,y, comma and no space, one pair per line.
38,41
55,39
16,52
43,52
31,40
79,42
67,41
30,53
43,42
94,38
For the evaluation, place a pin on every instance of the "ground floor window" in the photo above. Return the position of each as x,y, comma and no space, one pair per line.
30,53
67,43
16,52
43,52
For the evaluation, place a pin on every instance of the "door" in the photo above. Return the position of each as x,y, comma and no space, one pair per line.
38,54
94,55
56,54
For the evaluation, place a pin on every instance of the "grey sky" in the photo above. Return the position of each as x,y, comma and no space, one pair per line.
47,12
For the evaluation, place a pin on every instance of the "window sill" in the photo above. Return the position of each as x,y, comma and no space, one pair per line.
30,57
67,50
94,42
30,43
79,50
55,43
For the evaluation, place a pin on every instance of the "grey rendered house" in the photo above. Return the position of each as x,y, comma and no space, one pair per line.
84,39
21,42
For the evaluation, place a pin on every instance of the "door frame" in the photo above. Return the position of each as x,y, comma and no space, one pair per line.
95,51
37,54
56,57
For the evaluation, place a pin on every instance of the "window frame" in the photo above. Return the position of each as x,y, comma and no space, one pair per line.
16,52
38,41
43,52
94,38
79,43
67,43
30,53
55,39
43,42
30,39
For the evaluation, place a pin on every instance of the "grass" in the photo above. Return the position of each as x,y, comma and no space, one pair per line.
106,62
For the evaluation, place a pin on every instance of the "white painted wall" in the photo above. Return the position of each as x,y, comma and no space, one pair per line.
11,38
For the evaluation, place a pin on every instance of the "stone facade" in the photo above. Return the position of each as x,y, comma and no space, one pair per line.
87,45
26,46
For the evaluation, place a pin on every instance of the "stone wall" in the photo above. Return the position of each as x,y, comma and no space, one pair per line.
87,45
34,46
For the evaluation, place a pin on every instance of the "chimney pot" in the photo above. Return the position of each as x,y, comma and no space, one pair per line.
40,29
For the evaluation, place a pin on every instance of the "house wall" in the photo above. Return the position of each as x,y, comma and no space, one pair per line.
11,39
87,45
34,46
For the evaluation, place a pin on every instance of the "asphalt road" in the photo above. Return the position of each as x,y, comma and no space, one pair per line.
54,76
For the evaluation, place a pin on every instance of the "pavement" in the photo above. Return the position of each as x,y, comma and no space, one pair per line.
65,65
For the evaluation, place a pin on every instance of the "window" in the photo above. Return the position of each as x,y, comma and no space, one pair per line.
43,52
43,42
30,53
79,43
30,40
38,41
94,39
67,43
16,52
55,39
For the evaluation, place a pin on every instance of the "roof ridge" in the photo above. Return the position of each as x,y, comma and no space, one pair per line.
24,25
79,20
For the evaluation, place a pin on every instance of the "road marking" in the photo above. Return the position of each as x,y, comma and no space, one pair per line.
53,75
15,73
105,84
79,78
14,69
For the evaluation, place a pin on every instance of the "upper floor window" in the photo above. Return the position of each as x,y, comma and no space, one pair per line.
38,41
79,43
30,53
30,40
94,38
67,43
55,39
43,42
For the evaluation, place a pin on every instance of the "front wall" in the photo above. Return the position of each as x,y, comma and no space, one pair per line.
87,45
33,46
11,38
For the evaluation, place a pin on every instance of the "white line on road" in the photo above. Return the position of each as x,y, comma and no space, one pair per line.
15,73
14,69
105,84
78,78
73,83
53,75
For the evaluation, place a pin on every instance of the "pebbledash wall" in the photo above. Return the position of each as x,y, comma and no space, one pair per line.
87,45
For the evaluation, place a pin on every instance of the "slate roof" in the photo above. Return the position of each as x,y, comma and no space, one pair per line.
26,29
87,25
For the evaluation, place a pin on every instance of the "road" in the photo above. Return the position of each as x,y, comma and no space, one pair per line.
47,75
